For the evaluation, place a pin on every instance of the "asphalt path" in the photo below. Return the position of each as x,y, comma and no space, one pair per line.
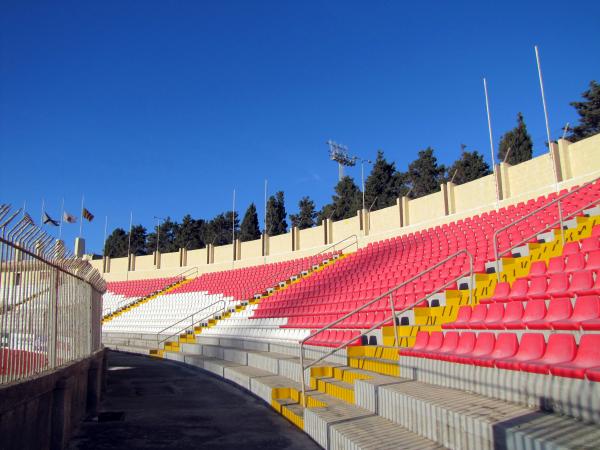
159,404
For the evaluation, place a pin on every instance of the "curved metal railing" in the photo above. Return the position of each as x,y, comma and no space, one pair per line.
192,322
393,316
561,219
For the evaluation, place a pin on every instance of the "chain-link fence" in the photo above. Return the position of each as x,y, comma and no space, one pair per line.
50,301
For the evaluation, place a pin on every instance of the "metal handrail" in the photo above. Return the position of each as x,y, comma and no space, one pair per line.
160,341
561,219
224,305
325,250
333,246
394,313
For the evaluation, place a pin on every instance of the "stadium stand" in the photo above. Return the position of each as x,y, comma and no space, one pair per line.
511,349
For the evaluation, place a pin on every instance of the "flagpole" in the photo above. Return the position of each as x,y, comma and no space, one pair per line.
104,242
487,108
539,67
129,242
81,218
42,215
233,228
62,213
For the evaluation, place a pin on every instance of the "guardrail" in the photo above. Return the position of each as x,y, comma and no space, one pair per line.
394,313
333,247
50,301
547,227
193,322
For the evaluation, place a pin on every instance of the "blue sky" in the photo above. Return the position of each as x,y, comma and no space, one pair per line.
163,108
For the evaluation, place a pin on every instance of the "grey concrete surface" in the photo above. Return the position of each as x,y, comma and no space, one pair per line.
167,405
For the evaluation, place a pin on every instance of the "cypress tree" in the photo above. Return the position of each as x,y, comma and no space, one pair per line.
519,143
383,185
249,229
306,215
470,166
276,223
424,174
589,114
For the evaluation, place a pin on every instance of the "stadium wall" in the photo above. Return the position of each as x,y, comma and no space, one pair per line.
575,163
42,412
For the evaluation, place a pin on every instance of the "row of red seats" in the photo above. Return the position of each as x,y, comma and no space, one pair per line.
335,338
139,288
560,357
245,282
380,266
560,315
361,320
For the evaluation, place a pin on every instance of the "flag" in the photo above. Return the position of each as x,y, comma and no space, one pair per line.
49,220
87,215
69,218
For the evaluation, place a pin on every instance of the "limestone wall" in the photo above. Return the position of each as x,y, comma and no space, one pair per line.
575,164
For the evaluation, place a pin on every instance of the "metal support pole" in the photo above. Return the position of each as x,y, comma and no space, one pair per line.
394,321
303,398
539,67
487,108
562,225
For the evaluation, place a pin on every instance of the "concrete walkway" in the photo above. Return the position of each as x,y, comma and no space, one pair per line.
160,404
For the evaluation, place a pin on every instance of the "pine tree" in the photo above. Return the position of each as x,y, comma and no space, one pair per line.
346,201
116,244
219,230
469,167
190,233
138,240
306,215
589,114
167,241
424,174
249,229
276,223
383,185
519,143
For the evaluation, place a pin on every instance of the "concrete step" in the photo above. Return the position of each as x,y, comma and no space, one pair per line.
377,365
461,420
327,420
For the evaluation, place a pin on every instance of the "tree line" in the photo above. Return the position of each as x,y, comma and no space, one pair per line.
383,185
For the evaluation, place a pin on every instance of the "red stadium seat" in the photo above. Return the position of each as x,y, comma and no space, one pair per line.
575,262
493,317
588,356
518,291
531,348
513,313
448,346
586,308
464,314
593,259
570,248
561,348
466,344
483,347
506,346
538,268
559,309
556,265
478,317
590,244
501,293
420,344
534,310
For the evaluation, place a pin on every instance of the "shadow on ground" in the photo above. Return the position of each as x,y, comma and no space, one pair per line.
160,404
